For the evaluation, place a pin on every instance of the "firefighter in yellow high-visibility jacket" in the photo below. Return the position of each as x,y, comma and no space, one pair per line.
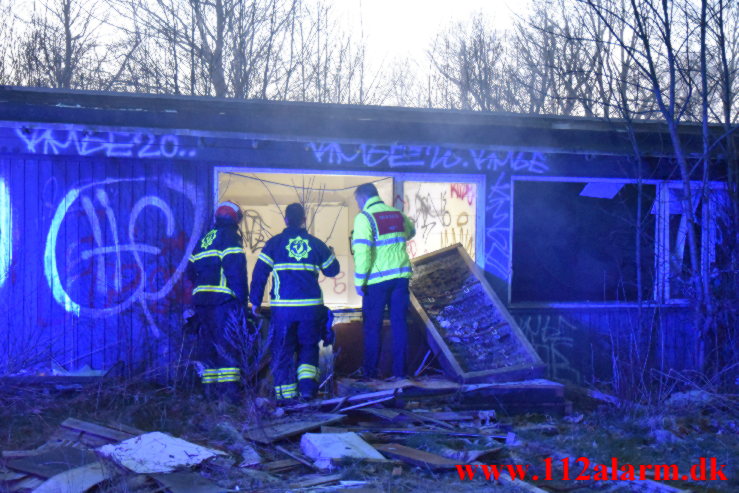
382,271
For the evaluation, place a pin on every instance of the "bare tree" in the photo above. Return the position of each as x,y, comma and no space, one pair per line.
62,46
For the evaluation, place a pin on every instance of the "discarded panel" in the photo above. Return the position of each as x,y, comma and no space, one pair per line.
468,327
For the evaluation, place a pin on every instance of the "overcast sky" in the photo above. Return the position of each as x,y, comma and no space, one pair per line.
405,28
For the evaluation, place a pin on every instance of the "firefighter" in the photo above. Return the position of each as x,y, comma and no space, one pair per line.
294,258
382,271
217,269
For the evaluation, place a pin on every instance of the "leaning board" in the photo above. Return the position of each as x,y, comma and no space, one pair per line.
468,327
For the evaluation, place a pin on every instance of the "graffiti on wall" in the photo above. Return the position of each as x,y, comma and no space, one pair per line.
554,337
443,214
428,157
6,232
141,145
497,232
117,259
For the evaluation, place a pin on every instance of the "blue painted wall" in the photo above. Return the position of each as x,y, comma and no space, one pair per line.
96,228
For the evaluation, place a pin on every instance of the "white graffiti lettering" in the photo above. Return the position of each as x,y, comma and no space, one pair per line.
140,291
498,228
110,144
6,232
409,156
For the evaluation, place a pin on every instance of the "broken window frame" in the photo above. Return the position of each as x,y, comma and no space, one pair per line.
399,180
662,267
706,215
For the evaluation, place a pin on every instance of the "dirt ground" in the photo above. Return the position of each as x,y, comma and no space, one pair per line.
684,428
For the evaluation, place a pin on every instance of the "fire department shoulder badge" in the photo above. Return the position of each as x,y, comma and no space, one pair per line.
298,248
208,239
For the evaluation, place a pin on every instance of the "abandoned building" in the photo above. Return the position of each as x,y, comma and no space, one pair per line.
103,195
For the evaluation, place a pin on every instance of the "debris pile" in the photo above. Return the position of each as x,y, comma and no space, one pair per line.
468,326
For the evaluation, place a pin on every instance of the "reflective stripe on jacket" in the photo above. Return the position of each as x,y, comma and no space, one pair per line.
294,258
217,267
378,242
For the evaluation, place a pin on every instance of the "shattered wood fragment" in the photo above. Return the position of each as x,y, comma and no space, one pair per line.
76,480
418,431
341,401
29,483
250,457
187,482
468,327
280,465
416,457
273,431
367,403
316,480
52,462
539,395
325,447
426,419
382,413
297,457
92,432
157,452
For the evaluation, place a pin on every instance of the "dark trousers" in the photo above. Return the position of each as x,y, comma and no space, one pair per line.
291,336
392,293
220,347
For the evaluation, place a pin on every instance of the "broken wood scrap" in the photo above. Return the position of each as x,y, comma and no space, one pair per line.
28,483
418,431
280,465
325,447
93,434
420,417
367,403
77,479
53,461
297,457
186,482
316,480
274,431
347,400
157,452
416,457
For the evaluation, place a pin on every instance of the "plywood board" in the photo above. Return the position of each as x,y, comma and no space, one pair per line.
416,457
468,327
75,480
273,431
328,446
53,461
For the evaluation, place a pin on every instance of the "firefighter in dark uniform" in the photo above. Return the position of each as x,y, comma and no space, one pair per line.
294,258
217,269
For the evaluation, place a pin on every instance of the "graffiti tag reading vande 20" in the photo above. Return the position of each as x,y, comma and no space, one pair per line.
141,145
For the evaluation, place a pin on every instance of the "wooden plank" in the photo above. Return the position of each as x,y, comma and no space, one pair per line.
416,457
280,465
187,482
297,457
323,447
96,429
76,480
278,430
52,462
316,480
341,401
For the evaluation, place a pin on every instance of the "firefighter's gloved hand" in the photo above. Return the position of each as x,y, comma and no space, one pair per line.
328,336
256,311
360,290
